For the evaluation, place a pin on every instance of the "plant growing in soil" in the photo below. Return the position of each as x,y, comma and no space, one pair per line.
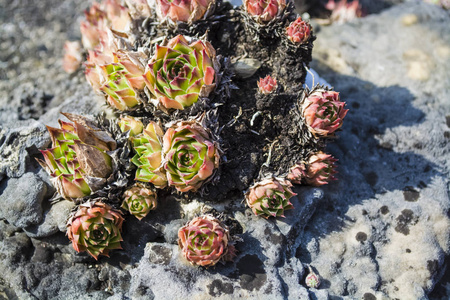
192,120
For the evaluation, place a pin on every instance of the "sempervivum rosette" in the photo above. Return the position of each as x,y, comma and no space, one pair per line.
183,10
298,31
264,11
148,158
118,76
179,73
205,241
191,156
322,111
270,197
133,125
78,162
95,227
139,201
318,170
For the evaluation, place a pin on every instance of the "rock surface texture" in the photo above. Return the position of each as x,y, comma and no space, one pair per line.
382,231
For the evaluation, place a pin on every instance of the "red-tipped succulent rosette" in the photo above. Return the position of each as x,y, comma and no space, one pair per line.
187,11
72,56
191,156
322,110
270,197
95,227
298,31
139,201
179,73
78,162
205,241
318,170
264,11
267,85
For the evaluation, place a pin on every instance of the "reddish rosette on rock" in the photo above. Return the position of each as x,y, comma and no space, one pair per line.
322,111
72,56
264,11
267,85
320,169
312,280
183,10
77,162
270,197
149,157
179,73
191,156
298,31
95,227
205,241
139,201
297,173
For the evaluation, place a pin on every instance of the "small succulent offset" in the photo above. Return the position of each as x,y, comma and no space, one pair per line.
139,201
191,156
134,125
312,280
322,111
149,157
95,227
72,56
264,11
183,10
78,162
270,197
317,171
205,241
267,85
179,73
298,31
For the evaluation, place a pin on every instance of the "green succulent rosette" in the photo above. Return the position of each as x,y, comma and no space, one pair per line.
179,73
95,227
139,201
148,157
78,162
191,156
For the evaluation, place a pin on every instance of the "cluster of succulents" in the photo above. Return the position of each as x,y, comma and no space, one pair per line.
164,138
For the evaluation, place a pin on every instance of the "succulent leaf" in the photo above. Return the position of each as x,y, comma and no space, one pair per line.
183,10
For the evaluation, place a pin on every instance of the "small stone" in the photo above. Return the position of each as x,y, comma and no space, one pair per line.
409,19
246,67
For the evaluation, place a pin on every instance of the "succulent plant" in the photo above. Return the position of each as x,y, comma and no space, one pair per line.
297,173
183,10
322,111
95,227
312,280
267,85
264,11
148,158
320,169
134,125
117,15
72,56
77,162
205,241
270,197
298,31
179,73
343,12
138,8
139,201
190,155
118,77
91,27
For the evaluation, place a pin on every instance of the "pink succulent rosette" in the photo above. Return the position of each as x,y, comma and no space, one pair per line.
297,173
298,31
72,56
264,11
183,10
190,155
270,197
95,227
323,111
179,73
204,241
267,85
139,201
320,169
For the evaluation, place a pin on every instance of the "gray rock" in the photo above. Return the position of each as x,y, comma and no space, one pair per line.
21,200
